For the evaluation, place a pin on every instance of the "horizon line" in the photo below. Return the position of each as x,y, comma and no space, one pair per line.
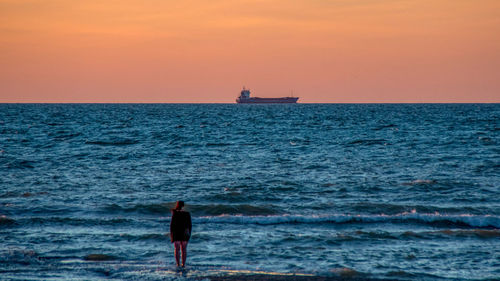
249,103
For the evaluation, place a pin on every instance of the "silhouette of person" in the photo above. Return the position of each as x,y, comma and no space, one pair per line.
180,231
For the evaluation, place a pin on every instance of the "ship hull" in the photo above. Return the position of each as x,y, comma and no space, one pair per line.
267,100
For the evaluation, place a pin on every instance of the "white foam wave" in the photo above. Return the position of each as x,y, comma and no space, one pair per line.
467,219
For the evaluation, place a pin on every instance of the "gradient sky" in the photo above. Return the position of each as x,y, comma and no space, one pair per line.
205,51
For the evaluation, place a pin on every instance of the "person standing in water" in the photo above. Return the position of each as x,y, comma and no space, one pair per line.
180,231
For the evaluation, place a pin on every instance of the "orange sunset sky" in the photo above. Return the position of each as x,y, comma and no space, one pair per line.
205,50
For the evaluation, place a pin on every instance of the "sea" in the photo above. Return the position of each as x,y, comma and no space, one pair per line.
383,191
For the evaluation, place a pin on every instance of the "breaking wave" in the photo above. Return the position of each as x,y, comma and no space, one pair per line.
466,220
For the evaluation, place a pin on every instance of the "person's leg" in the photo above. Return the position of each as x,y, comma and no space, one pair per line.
177,246
184,251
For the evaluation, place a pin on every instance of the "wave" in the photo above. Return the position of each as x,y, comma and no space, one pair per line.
19,256
145,237
445,233
394,209
100,257
11,194
4,220
368,142
420,182
467,220
64,135
20,164
384,127
478,233
74,221
160,209
198,210
115,142
230,209
217,144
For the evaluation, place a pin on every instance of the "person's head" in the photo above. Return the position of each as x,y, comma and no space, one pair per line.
179,205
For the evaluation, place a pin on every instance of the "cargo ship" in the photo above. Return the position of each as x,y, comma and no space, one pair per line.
245,98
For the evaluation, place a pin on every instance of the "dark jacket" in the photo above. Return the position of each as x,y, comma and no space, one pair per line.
180,226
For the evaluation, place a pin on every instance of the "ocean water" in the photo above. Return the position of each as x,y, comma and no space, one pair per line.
400,191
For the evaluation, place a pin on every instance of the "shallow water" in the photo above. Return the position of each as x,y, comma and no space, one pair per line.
399,191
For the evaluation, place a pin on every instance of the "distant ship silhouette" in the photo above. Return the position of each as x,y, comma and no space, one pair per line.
245,98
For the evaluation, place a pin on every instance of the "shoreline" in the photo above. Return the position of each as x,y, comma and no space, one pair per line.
336,275
288,277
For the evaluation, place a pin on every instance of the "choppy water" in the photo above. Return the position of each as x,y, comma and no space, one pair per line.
397,191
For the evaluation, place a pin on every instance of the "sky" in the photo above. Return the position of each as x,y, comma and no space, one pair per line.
199,51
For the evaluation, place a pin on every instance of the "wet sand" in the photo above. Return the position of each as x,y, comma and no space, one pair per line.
337,275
